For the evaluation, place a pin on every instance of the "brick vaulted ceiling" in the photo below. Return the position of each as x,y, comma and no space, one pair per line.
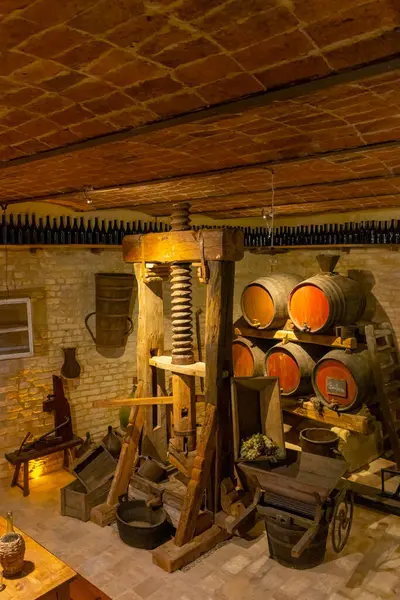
141,102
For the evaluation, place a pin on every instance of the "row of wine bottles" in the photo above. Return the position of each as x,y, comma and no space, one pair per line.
365,232
70,231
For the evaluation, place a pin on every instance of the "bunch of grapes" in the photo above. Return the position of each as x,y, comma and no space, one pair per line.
260,445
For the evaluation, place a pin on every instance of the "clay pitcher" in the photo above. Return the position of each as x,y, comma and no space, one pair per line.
71,368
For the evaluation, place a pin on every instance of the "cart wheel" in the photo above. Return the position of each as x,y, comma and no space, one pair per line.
342,519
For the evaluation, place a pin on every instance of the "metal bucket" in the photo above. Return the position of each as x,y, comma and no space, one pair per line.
113,298
317,440
141,526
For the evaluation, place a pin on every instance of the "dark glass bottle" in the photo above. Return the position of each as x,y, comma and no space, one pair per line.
47,231
54,232
128,230
19,232
396,239
378,233
372,233
96,231
27,231
150,229
89,233
346,233
340,234
265,237
41,237
330,234
356,233
145,227
115,233
134,230
81,232
335,234
385,233
61,232
361,233
325,234
75,232
139,227
103,233
3,230
11,237
391,232
68,231
33,230
110,233
122,231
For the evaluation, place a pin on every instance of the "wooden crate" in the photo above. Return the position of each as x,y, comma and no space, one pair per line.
77,502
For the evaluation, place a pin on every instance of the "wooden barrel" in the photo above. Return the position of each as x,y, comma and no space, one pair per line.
113,298
264,301
341,380
248,358
325,300
293,364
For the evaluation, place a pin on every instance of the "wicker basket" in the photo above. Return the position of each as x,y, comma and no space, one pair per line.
12,552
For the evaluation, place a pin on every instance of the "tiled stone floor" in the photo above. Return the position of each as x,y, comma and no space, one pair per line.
368,568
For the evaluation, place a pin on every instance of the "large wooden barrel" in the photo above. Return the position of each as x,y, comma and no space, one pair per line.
326,300
342,380
113,298
248,358
293,364
264,301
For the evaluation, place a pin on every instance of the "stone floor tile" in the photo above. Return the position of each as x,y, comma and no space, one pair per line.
148,587
235,564
383,582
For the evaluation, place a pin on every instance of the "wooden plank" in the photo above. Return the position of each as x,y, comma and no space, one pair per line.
171,557
184,246
153,401
243,329
350,422
196,369
48,573
184,413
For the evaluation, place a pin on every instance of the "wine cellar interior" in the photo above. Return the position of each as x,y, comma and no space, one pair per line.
199,300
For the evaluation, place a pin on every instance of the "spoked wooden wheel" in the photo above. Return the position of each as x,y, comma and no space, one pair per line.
342,519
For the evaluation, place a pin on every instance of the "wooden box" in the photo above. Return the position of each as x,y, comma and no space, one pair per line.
256,408
94,476
77,502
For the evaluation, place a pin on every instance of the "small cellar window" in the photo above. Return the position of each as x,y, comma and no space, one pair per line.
16,339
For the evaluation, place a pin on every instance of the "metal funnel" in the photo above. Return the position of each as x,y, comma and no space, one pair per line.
327,262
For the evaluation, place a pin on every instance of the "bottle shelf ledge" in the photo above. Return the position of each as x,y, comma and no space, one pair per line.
60,247
339,247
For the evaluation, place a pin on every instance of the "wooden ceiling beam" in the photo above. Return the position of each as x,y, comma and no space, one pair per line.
262,99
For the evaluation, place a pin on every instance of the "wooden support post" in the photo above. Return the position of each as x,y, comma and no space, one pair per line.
216,420
184,412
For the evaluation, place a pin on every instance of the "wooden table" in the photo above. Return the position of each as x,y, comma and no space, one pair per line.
44,577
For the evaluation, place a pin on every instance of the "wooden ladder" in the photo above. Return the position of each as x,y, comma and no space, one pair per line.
386,371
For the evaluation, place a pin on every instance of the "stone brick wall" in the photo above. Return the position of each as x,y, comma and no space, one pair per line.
61,286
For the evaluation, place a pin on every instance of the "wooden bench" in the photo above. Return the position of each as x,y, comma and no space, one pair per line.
18,458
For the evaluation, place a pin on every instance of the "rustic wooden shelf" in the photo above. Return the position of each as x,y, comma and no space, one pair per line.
351,422
243,329
340,247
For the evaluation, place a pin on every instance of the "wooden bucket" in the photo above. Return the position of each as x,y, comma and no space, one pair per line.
318,440
248,357
343,381
293,365
326,300
113,298
264,301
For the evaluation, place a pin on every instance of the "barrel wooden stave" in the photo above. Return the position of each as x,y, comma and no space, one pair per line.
113,298
264,300
340,366
248,357
325,300
293,364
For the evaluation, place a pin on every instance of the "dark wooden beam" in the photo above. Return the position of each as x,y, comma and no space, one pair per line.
279,94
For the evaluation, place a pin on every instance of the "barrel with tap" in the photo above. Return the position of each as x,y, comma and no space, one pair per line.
248,357
325,300
293,364
264,301
342,380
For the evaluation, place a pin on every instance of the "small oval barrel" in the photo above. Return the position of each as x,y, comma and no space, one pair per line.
113,298
264,301
248,358
293,364
342,381
326,300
